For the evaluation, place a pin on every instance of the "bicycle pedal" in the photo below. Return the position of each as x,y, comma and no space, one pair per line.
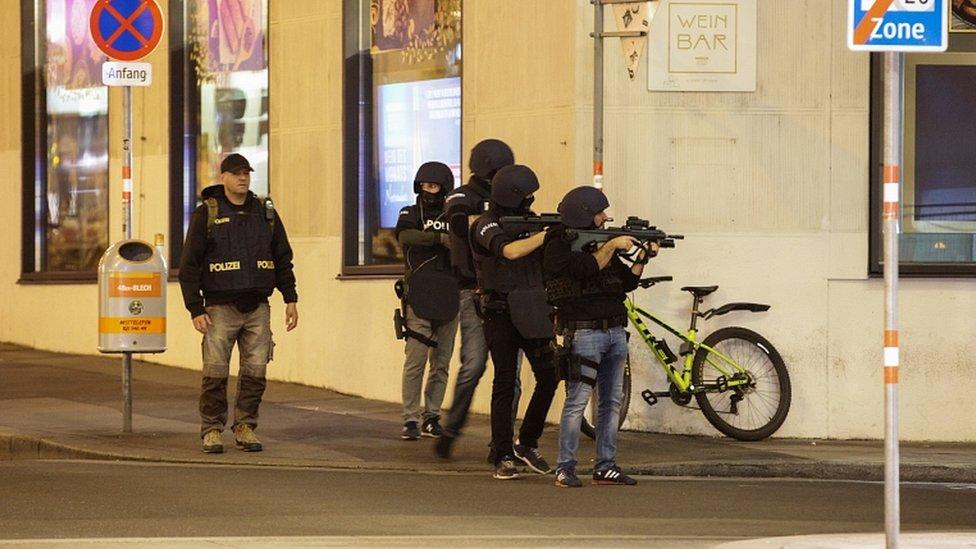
649,397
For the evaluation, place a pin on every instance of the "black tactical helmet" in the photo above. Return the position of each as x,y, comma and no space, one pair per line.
512,184
434,172
580,205
489,156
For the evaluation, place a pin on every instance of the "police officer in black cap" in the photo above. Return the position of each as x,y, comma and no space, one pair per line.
464,205
236,253
431,300
588,290
509,269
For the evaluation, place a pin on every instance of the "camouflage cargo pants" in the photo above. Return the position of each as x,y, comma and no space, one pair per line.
252,334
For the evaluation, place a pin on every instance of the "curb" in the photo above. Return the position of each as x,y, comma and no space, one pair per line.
20,447
16,447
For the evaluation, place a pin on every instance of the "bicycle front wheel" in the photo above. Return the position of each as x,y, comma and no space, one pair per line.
587,428
751,411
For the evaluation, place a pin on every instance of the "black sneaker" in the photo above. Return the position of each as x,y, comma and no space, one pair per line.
431,428
410,431
505,469
442,448
612,476
531,457
566,478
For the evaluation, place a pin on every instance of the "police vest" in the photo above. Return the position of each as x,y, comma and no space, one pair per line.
471,199
431,288
562,287
520,283
238,256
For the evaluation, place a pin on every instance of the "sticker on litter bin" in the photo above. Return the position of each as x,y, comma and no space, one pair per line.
126,325
134,285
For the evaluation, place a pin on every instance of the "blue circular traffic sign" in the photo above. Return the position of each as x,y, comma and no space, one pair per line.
126,30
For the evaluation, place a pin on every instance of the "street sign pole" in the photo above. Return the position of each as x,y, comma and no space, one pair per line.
127,234
894,27
894,63
127,31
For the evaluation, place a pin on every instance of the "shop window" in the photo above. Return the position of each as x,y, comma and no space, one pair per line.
402,107
219,99
938,216
65,143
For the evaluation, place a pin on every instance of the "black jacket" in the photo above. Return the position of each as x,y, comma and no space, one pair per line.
194,260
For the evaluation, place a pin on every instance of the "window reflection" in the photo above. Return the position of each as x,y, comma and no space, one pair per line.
228,74
72,184
408,88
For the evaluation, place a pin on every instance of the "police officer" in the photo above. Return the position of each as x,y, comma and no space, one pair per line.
236,253
509,269
464,205
431,299
588,290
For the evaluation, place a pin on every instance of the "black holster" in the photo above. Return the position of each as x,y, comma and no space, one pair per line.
400,322
569,366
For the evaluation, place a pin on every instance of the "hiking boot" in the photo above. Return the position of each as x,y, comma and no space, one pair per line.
410,431
566,478
612,476
505,469
212,444
431,428
244,436
531,457
442,448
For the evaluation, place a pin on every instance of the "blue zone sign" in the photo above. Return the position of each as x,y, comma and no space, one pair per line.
898,25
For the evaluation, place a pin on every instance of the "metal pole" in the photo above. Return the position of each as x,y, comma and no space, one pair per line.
126,392
127,234
893,116
598,94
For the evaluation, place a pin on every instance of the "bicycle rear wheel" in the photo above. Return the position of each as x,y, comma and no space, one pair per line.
587,428
747,412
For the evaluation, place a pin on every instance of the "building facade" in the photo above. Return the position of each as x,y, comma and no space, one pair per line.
772,187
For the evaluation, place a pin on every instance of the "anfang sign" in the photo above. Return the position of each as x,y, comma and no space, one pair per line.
898,25
115,73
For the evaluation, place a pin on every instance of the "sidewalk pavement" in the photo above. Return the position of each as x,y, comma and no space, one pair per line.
69,406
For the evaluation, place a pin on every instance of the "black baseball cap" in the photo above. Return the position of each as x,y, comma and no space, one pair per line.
234,162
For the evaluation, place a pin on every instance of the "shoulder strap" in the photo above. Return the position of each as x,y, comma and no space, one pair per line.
211,213
269,212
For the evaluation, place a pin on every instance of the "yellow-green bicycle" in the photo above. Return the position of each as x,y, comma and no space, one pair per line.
736,376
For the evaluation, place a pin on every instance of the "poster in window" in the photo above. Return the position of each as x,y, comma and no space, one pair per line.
963,16
397,23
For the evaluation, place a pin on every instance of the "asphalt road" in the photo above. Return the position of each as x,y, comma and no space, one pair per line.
86,499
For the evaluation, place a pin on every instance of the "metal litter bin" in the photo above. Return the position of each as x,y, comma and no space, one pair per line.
132,299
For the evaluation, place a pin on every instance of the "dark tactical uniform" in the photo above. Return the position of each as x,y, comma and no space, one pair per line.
471,199
230,265
516,317
591,316
431,298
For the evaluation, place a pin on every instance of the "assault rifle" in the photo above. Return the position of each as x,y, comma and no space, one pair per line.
522,225
588,240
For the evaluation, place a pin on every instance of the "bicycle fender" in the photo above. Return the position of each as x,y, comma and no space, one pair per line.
729,307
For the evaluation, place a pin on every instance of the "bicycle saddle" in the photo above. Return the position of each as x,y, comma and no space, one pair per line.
699,291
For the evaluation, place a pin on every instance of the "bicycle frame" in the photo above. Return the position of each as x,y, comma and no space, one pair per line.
681,378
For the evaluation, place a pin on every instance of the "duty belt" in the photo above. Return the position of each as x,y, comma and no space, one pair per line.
602,324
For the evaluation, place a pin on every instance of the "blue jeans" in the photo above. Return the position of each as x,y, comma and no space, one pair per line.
609,349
